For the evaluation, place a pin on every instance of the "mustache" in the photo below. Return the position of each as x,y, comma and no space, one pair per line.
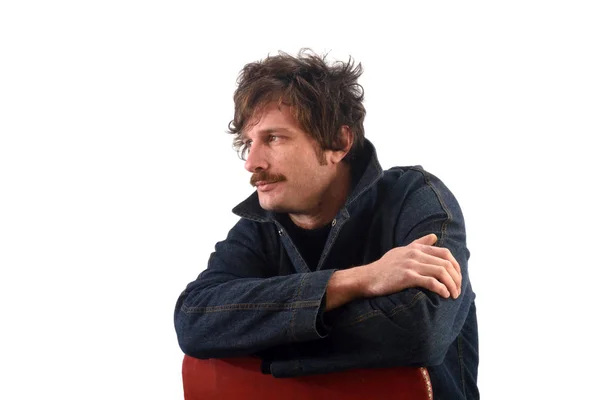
266,177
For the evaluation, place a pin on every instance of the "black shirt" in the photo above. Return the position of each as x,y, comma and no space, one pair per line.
310,242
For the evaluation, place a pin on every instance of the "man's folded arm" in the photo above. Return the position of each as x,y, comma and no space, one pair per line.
412,327
237,306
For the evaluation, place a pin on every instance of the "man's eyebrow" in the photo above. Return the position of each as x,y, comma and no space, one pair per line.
275,129
266,131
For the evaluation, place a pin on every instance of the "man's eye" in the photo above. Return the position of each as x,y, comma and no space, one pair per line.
272,138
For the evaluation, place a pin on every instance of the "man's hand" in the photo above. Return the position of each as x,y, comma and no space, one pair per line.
420,264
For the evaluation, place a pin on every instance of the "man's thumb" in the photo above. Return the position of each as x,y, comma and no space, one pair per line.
428,240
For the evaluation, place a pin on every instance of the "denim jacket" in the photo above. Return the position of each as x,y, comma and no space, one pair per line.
258,296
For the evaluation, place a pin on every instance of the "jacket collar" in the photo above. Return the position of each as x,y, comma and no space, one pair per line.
366,171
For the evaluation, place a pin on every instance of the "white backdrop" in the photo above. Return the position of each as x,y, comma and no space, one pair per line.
117,176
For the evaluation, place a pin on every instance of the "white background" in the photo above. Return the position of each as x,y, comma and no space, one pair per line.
117,176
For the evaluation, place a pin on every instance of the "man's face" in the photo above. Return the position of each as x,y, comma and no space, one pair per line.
289,172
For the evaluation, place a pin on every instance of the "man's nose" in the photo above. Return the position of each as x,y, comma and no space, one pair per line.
255,159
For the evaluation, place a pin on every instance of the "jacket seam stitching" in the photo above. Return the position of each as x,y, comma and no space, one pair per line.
443,229
333,234
461,364
251,306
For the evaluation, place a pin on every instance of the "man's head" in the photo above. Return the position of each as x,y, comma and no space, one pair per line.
297,122
323,97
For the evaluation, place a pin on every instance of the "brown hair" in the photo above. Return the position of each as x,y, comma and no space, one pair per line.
323,97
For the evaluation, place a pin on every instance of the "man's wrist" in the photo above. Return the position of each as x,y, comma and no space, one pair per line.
344,286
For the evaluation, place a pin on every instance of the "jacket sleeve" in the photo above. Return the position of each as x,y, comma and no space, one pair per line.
237,306
413,327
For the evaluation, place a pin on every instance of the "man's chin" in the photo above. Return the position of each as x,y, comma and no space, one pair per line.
273,206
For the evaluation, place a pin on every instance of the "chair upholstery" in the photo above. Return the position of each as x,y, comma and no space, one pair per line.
241,378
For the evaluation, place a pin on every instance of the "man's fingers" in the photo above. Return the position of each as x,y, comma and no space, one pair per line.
428,240
444,263
433,285
444,253
441,274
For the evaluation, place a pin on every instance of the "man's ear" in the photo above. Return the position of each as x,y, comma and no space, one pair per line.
344,142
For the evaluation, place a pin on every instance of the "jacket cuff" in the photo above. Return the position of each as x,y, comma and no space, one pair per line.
307,317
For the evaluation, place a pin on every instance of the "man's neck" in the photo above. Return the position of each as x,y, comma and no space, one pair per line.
331,202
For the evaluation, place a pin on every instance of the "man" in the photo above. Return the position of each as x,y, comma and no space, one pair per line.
335,264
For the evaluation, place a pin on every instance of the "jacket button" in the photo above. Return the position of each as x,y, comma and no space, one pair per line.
333,222
280,232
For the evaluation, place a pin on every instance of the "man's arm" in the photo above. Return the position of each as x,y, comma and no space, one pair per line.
414,326
238,306
419,264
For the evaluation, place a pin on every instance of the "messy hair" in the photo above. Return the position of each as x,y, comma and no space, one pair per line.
322,97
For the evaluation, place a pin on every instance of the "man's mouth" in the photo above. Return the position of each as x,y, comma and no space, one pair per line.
265,186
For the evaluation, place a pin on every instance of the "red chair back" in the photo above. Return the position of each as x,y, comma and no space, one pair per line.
241,378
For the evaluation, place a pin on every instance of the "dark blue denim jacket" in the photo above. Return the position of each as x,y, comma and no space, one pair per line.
258,296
